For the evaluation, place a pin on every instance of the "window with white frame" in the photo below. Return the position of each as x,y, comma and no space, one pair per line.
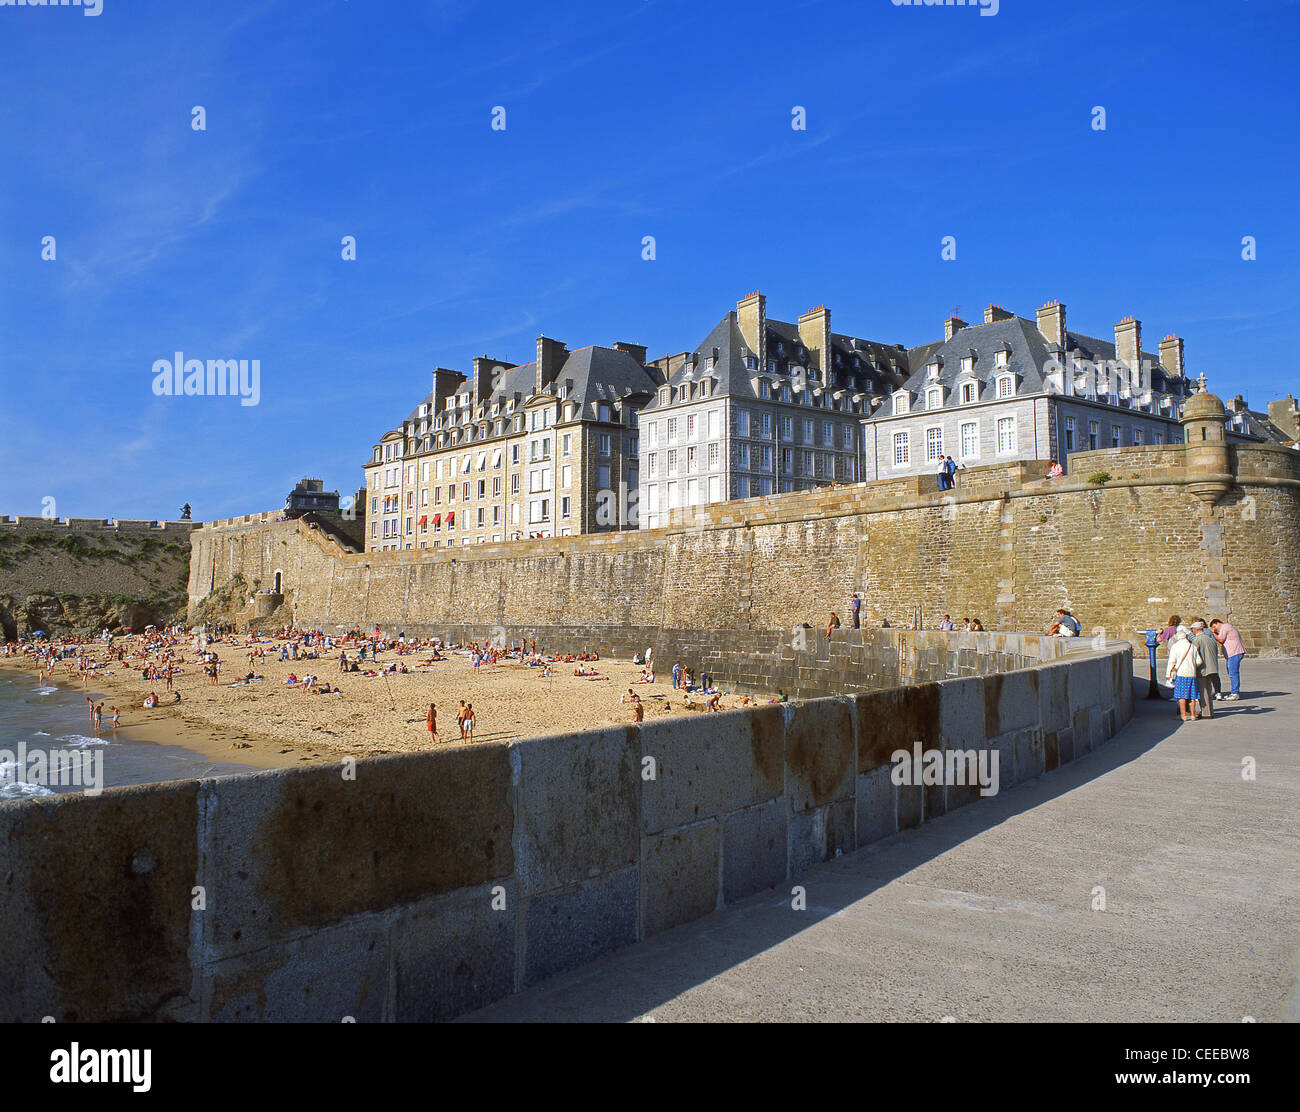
970,440
742,423
1006,435
713,456
714,422
901,402
848,436
902,449
1006,386
787,428
1093,433
1069,434
934,398
967,393
933,444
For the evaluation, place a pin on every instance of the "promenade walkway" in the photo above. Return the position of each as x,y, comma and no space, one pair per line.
987,914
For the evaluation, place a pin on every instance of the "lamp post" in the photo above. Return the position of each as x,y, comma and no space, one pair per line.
1153,688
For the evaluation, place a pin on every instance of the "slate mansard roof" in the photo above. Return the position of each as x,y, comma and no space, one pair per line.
597,374
856,364
1028,357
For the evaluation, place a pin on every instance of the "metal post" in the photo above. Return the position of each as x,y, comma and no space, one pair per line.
1153,688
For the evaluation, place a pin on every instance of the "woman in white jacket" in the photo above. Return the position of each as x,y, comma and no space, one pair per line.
1182,670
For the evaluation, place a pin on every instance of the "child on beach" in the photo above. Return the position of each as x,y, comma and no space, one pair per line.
469,722
432,721
460,719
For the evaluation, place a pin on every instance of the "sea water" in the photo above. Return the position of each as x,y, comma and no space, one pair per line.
51,717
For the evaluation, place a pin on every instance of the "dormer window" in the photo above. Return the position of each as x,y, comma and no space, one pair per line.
1006,385
933,368
968,393
751,362
663,396
1002,357
934,398
968,365
901,402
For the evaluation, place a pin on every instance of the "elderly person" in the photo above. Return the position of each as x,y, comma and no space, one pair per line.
1182,671
1208,680
1234,650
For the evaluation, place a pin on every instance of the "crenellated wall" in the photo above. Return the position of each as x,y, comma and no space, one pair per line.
1005,547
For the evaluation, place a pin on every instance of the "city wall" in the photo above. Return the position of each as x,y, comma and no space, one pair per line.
1005,547
420,887
94,526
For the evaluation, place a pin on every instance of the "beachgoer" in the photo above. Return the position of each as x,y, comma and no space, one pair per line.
431,721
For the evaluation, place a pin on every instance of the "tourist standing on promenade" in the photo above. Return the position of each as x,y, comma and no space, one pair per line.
1168,632
946,624
1234,650
856,607
1208,680
1182,670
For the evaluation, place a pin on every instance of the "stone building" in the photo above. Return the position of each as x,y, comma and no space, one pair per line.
760,407
1014,389
549,448
309,495
1285,415
1251,422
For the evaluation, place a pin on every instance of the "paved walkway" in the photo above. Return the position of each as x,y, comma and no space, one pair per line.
986,914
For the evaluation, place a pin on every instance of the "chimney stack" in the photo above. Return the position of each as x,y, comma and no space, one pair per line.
1285,414
952,326
815,332
636,351
1171,355
550,357
751,313
445,384
487,374
1128,344
996,313
1051,323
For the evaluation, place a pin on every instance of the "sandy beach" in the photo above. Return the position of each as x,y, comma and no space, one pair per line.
269,724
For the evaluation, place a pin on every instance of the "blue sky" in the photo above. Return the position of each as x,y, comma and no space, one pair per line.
624,118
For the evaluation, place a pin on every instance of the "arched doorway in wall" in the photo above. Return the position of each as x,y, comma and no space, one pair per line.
279,583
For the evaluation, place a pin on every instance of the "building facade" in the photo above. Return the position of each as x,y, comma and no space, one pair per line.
760,407
1014,389
549,448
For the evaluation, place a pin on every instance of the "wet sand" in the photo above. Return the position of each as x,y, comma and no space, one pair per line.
270,725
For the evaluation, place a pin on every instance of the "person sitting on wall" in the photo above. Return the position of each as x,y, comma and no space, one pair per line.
832,625
1055,470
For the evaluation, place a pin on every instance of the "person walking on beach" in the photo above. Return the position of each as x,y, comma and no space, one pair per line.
677,676
460,719
90,710
469,722
432,722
